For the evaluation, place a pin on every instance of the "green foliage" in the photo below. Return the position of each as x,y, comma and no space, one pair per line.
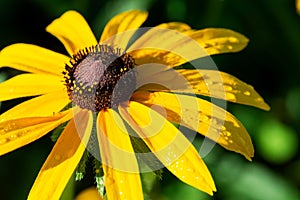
271,63
276,142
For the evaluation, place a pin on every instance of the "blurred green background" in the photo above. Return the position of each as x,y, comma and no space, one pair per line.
271,63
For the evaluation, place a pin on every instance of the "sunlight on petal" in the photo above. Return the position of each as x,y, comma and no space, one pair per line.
219,40
214,40
63,159
118,158
48,104
206,118
19,132
174,44
209,83
146,55
116,148
178,26
125,21
214,83
169,145
121,185
32,58
153,55
25,85
73,31
165,46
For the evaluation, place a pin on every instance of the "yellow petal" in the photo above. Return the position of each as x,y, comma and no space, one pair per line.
116,148
63,159
19,132
156,55
42,106
201,116
73,31
170,146
165,46
175,44
178,26
224,86
25,85
204,82
31,58
157,77
219,40
126,21
298,6
117,184
144,55
118,158
159,38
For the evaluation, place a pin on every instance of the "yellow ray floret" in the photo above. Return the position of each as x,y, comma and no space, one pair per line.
201,116
73,31
122,179
16,133
32,58
126,21
25,85
48,104
63,158
169,145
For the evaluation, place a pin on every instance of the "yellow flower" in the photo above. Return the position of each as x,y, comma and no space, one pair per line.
89,193
113,91
298,6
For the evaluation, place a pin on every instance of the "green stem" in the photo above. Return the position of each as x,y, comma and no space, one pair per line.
68,193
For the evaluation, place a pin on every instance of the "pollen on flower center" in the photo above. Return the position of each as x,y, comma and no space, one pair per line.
93,77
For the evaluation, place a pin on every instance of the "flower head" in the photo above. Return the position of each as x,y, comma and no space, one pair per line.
121,101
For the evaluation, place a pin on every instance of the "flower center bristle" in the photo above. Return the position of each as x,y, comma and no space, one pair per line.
93,77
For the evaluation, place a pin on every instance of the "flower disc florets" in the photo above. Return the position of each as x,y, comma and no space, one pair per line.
93,77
